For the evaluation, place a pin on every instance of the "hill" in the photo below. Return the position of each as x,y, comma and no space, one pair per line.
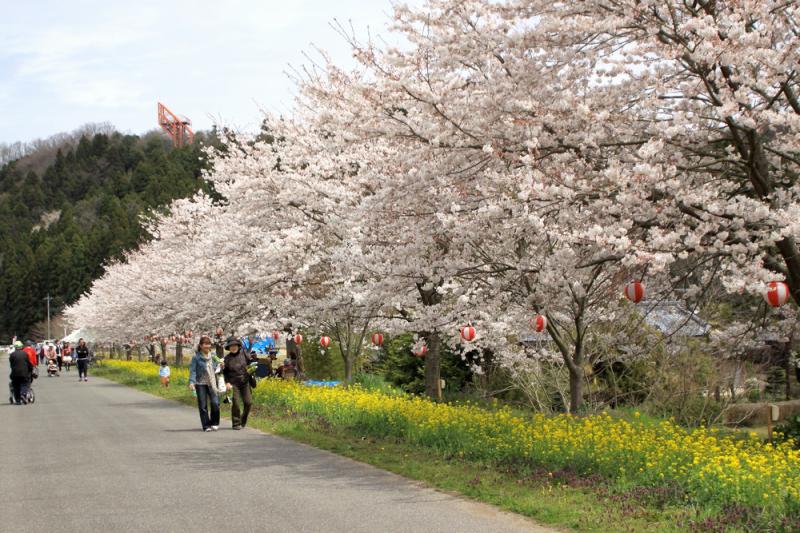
67,213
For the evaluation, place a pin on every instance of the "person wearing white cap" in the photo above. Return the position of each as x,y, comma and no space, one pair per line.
21,373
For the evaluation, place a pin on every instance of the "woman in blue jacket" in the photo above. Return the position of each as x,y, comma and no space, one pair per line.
203,381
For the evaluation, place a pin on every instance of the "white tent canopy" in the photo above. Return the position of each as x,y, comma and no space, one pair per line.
82,333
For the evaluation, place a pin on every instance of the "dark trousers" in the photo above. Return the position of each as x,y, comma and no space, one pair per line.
20,388
204,398
83,368
60,362
242,397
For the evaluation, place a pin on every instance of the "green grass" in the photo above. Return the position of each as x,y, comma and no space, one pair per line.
560,499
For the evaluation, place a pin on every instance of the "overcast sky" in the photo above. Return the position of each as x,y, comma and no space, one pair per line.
66,63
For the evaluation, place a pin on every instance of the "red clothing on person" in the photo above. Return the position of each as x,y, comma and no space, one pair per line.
31,351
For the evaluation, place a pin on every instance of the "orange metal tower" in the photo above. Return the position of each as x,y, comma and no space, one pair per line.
179,129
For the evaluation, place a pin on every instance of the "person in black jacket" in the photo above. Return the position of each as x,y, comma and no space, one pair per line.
21,373
82,356
237,379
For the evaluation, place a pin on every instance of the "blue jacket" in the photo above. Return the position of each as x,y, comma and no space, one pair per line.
198,364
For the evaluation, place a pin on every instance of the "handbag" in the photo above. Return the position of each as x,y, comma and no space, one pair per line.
221,388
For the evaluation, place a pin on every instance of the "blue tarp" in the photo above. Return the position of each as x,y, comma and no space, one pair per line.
321,383
261,346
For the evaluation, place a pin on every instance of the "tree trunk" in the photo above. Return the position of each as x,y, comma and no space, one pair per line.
349,361
139,352
433,363
128,353
151,351
163,346
576,377
178,354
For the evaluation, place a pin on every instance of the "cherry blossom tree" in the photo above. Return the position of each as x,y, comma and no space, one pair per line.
574,105
509,158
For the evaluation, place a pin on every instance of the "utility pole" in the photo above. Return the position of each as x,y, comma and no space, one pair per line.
48,314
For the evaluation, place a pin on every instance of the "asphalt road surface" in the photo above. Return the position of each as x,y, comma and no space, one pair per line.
98,456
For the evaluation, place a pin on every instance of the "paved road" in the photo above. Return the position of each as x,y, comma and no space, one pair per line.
98,456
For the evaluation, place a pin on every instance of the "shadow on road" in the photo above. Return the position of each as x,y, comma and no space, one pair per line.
284,459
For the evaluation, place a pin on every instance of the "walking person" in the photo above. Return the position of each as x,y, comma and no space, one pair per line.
31,351
237,379
203,381
82,356
67,355
49,353
60,355
21,373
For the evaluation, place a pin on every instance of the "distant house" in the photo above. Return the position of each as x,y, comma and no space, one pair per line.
668,317
672,318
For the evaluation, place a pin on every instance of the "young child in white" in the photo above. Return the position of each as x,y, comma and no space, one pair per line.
163,373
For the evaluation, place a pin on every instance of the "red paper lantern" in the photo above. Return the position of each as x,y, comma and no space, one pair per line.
189,334
324,341
182,339
421,351
377,339
539,323
219,332
172,338
298,339
777,293
468,333
276,335
634,291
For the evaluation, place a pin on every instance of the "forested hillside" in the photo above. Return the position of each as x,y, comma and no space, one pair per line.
60,226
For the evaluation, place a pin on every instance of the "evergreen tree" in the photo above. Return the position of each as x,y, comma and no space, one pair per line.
94,195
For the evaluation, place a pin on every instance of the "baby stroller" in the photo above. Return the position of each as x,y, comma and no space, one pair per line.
52,368
30,397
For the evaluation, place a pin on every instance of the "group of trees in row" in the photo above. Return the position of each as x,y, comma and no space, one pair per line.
510,159
73,203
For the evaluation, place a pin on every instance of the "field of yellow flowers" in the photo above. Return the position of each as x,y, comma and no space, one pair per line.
710,468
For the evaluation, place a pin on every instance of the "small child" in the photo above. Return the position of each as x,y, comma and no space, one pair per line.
163,372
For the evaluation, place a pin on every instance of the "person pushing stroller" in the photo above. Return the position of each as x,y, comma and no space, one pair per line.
21,374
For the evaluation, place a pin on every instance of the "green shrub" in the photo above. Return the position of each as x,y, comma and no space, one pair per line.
376,383
789,429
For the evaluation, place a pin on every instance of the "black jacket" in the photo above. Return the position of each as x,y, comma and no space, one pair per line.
21,366
82,352
235,369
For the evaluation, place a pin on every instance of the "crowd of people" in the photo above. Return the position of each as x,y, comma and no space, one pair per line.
26,358
227,373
